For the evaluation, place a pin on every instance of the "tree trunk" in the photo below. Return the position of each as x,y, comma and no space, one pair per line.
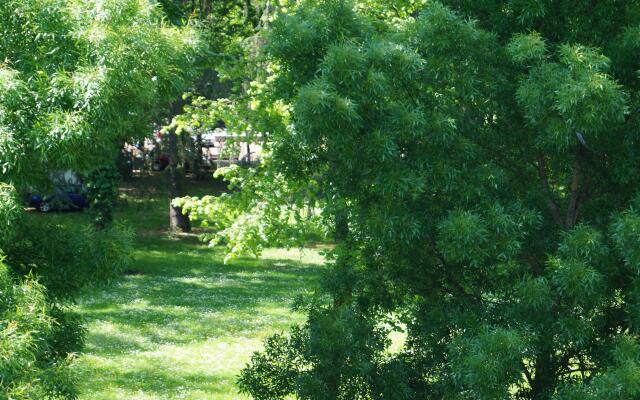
342,226
544,380
343,261
177,219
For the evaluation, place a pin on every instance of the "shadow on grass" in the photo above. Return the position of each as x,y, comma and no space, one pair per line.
190,295
184,324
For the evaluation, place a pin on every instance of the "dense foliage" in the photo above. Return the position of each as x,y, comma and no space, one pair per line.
484,156
477,161
101,187
37,341
77,78
68,258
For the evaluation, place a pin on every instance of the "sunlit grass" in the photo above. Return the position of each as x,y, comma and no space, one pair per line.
182,324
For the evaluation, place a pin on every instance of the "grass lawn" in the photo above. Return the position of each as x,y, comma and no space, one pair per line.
182,324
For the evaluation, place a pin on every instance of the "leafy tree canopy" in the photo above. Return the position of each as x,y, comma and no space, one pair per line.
78,77
484,155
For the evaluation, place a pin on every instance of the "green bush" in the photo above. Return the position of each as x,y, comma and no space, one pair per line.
337,354
101,186
37,342
67,258
9,211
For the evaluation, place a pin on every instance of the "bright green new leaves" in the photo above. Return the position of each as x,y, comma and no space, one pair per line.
268,211
529,48
391,10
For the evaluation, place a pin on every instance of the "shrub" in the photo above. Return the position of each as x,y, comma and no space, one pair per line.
101,186
67,258
107,253
37,342
337,354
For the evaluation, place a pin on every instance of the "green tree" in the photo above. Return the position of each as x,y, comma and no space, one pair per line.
484,157
77,78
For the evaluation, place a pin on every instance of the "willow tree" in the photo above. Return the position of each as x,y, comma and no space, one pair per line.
485,155
77,78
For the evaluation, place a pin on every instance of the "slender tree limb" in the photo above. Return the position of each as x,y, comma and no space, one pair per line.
536,265
574,204
396,11
584,193
551,204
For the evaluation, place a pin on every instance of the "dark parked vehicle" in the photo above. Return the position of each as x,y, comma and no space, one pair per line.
68,198
67,193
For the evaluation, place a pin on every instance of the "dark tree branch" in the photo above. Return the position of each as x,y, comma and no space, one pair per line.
584,193
574,203
395,10
551,204
177,219
536,265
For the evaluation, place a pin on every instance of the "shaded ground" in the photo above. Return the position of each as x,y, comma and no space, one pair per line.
182,324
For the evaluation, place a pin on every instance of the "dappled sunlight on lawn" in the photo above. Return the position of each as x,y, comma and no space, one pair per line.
184,324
